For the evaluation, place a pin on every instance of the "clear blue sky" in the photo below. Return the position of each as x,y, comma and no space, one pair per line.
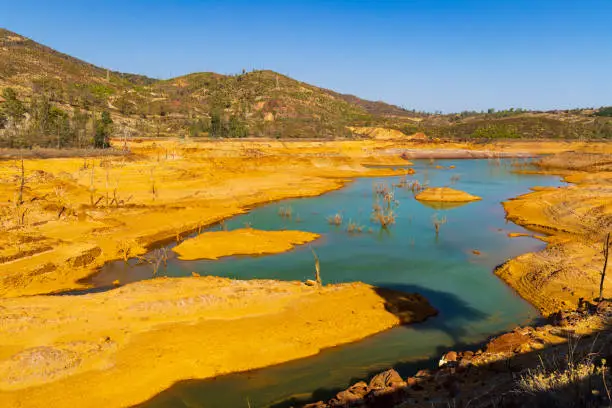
426,54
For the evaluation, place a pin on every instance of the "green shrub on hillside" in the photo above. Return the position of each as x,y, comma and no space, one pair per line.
605,111
496,131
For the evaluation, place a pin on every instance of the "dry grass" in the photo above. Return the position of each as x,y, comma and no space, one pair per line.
383,209
45,153
335,219
570,380
285,212
354,228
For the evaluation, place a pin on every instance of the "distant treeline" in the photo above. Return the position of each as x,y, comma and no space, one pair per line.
504,113
525,127
39,123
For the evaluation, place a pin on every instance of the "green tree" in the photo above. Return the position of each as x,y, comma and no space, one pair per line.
605,111
12,107
198,126
79,127
40,109
59,127
103,131
237,128
216,125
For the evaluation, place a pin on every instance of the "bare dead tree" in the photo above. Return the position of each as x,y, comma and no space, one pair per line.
606,253
152,180
317,268
438,222
92,189
21,184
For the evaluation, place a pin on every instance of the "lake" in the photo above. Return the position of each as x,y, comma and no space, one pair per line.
473,303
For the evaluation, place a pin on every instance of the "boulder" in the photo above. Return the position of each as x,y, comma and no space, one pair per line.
389,378
354,393
449,357
318,404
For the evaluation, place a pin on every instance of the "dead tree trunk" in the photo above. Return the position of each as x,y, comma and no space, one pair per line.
21,185
317,268
606,252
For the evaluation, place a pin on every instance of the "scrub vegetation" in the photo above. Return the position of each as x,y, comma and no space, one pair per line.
49,99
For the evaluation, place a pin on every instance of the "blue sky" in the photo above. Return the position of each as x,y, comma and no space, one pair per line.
423,54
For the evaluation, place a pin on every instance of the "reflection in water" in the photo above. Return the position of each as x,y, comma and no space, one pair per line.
439,205
473,303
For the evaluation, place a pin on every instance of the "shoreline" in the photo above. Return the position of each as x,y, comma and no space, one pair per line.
312,178
314,184
235,321
567,310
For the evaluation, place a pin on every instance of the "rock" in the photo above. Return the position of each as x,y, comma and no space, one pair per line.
441,377
464,364
522,348
468,355
318,404
507,343
560,318
389,378
310,282
411,381
451,356
423,373
385,397
354,393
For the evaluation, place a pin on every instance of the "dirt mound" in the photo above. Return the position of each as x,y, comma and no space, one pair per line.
245,241
446,194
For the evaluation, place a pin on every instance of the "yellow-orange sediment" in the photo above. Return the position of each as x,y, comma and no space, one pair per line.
80,213
575,219
84,351
245,241
445,194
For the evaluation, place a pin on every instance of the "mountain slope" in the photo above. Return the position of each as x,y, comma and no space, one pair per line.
258,103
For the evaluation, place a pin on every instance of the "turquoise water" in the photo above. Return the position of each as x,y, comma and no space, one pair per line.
472,301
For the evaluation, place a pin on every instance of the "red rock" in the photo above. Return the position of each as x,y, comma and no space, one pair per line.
451,356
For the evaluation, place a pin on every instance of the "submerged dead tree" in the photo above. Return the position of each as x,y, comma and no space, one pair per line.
606,253
317,268
438,222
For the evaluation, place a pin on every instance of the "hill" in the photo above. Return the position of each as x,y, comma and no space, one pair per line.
575,124
258,103
58,101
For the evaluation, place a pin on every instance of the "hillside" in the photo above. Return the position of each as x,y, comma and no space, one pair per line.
59,101
578,124
258,103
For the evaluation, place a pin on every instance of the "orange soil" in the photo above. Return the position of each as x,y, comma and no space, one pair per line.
246,241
